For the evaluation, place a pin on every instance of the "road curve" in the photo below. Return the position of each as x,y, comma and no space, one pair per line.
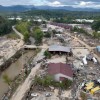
18,33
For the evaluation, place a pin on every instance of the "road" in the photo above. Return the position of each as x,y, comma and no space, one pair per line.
19,94
18,33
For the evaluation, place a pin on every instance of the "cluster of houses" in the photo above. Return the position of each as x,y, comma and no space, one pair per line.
62,25
84,20
60,71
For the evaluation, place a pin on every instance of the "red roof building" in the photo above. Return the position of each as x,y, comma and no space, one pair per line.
60,71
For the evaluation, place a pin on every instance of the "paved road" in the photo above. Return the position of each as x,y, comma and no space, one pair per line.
18,33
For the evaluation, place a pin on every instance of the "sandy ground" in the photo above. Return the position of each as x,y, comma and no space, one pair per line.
80,52
8,48
56,92
66,94
57,60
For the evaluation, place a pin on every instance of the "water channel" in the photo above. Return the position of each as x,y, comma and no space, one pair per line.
13,70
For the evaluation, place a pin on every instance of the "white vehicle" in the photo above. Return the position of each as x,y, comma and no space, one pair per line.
94,60
34,94
84,61
48,94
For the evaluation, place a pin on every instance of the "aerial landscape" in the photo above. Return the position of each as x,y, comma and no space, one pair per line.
50,50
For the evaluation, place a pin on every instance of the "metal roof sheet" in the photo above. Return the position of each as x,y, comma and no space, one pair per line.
59,48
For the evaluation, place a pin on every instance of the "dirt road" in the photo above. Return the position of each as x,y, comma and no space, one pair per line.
18,33
19,94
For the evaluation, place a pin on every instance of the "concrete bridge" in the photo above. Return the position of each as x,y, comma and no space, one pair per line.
46,47
35,47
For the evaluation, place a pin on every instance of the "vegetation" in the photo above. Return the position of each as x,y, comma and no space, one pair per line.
24,27
47,54
47,35
96,25
12,35
96,35
7,79
69,15
79,30
5,26
26,36
48,81
38,35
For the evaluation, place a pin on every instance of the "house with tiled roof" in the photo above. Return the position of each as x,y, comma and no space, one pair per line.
60,71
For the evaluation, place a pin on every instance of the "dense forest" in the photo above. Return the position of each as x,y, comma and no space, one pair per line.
5,26
63,14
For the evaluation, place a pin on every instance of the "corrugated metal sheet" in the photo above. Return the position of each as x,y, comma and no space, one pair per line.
59,48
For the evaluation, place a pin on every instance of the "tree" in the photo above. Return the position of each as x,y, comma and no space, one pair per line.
96,25
96,35
38,35
26,36
80,30
47,35
23,27
6,79
47,80
5,26
47,54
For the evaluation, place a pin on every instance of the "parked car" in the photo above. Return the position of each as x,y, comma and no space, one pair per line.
34,94
48,94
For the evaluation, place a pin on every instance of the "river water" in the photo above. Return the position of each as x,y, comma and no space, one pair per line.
13,70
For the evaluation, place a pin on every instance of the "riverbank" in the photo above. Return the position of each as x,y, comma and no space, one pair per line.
8,48
11,60
14,73
21,73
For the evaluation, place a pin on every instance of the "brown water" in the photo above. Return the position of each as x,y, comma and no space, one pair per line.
13,70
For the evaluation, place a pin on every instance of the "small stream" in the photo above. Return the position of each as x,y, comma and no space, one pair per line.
13,70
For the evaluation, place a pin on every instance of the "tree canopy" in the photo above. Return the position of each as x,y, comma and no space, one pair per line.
24,27
5,26
96,25
38,35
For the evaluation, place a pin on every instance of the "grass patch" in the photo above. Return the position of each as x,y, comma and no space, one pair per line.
12,35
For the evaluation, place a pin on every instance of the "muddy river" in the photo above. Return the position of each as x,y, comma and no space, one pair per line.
13,70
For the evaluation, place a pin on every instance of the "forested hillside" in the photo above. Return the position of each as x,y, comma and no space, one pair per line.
63,13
